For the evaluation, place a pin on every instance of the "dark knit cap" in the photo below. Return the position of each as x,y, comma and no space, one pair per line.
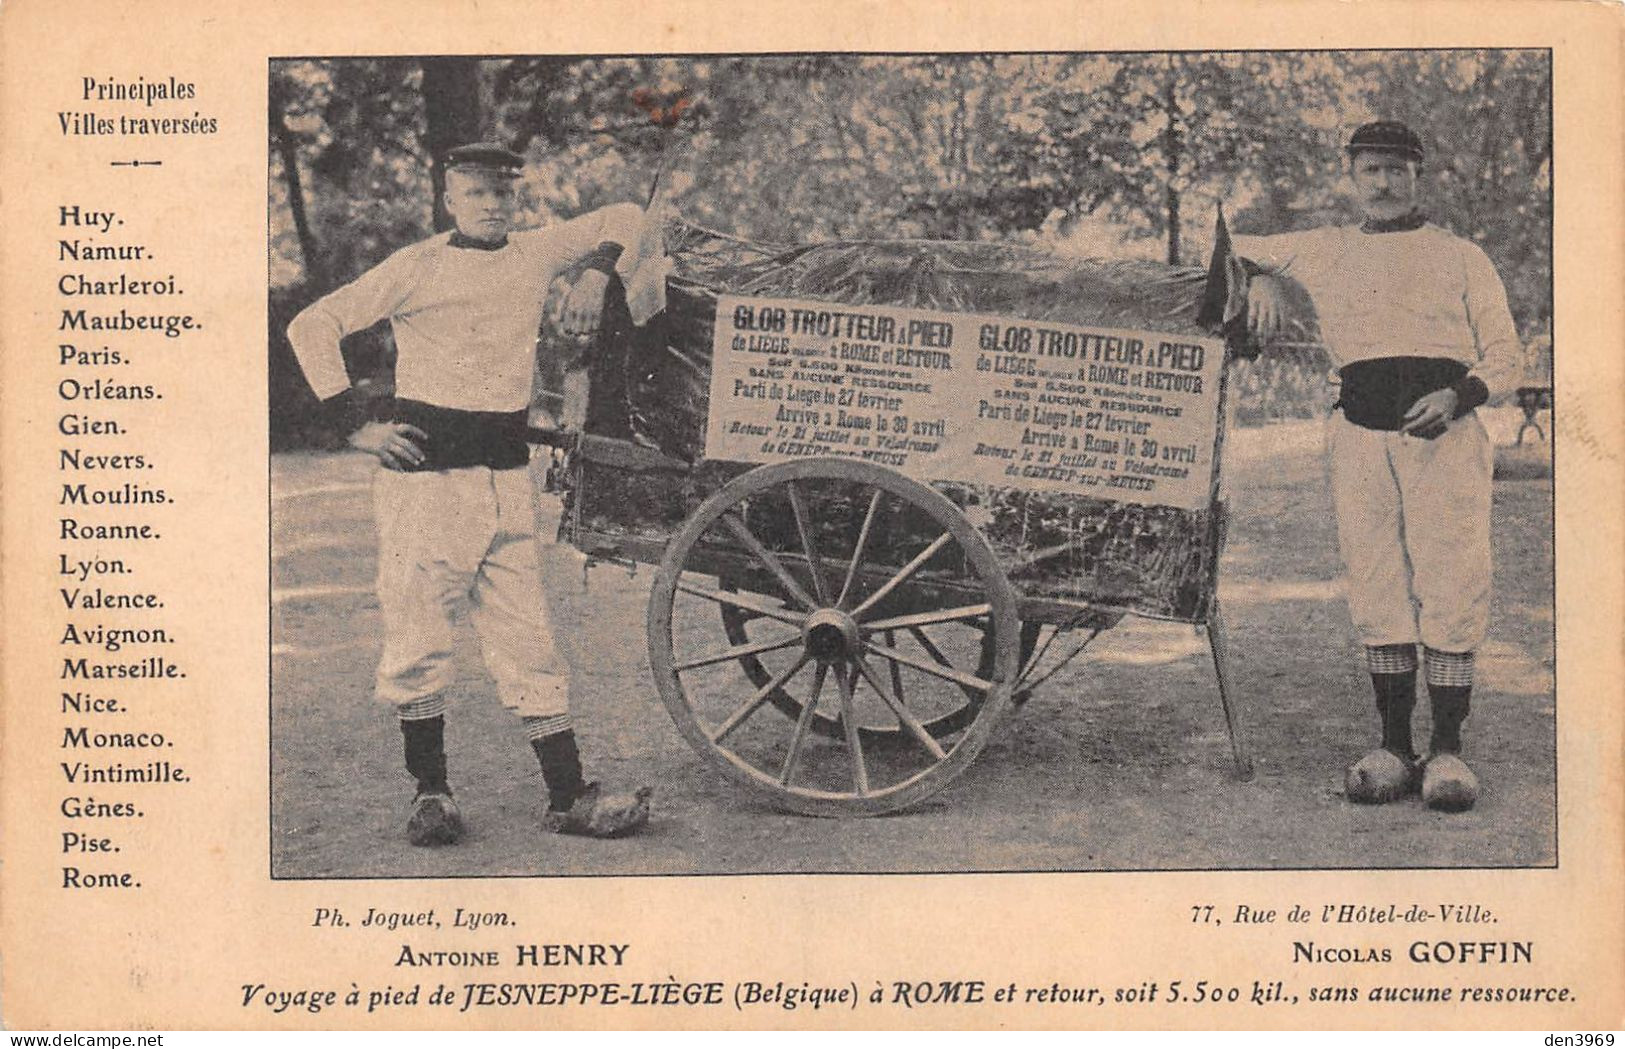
1386,136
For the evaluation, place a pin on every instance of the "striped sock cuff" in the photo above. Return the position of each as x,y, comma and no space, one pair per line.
1390,659
552,724
422,709
1451,669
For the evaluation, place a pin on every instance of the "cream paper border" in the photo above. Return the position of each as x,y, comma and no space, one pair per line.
176,954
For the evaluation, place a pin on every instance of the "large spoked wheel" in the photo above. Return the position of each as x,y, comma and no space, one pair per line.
735,622
884,633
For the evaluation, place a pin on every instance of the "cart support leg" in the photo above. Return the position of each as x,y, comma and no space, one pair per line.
1219,642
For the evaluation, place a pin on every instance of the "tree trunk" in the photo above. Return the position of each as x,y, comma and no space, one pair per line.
288,152
541,78
451,116
1172,147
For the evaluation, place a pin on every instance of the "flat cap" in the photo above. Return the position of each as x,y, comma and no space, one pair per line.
1386,136
486,158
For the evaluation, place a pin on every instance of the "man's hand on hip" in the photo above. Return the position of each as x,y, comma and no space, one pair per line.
395,444
1430,416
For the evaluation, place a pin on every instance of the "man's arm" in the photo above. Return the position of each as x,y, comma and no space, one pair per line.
598,239
316,333
1274,254
1267,259
1500,352
599,244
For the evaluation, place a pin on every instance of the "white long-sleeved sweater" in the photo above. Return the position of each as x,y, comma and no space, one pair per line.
465,319
1413,293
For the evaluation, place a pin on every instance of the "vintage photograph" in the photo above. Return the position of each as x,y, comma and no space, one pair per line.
861,463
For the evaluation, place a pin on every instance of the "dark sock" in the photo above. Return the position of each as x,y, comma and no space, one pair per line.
1396,700
425,740
1450,709
561,768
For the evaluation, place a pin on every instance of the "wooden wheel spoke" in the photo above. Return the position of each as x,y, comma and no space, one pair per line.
919,619
770,533
857,550
940,670
935,653
1039,648
930,646
904,574
754,648
749,604
909,721
769,560
751,705
802,722
896,670
815,564
849,722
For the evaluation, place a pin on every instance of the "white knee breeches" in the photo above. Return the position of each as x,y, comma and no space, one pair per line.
1413,525
460,538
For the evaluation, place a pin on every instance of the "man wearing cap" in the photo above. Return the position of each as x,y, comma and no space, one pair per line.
1416,322
455,504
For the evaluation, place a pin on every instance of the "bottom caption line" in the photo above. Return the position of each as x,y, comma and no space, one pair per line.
893,994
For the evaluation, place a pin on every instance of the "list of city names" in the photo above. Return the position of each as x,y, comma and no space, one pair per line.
119,311
1115,414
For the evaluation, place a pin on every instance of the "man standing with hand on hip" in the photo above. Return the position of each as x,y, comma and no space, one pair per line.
1416,322
456,505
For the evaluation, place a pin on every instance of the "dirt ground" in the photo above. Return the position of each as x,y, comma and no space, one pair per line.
1120,762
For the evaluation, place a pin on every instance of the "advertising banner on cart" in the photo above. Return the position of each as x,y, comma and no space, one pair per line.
1116,414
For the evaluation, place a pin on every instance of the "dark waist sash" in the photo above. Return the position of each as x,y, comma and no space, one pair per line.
460,438
1377,393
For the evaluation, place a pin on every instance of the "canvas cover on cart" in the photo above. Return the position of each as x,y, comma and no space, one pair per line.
652,387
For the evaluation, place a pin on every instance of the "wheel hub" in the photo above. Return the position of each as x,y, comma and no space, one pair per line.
830,634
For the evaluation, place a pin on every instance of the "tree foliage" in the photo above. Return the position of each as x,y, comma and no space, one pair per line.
1141,135
964,146
1135,150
